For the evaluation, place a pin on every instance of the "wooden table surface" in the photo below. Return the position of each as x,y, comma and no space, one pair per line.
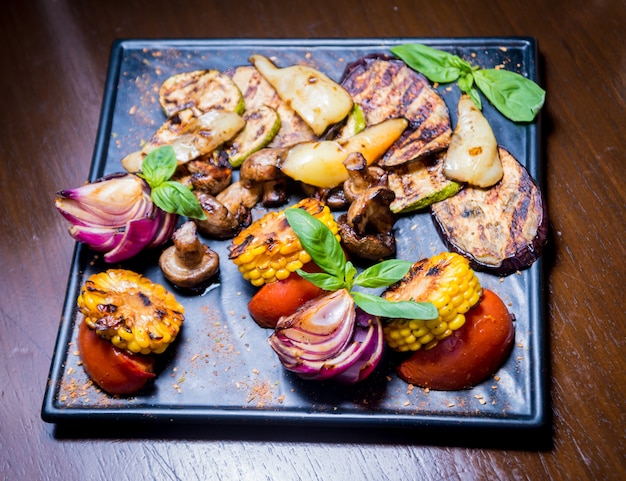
53,59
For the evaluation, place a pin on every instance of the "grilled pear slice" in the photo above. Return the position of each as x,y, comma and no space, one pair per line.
316,98
257,93
473,153
321,163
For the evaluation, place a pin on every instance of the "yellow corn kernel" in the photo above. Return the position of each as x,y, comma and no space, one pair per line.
450,284
130,311
272,248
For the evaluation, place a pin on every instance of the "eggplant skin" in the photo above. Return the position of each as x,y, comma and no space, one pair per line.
502,229
387,88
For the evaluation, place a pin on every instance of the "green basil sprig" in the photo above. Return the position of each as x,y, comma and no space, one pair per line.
339,273
515,96
171,196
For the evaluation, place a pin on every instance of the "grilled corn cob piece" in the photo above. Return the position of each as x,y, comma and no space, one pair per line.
450,284
269,250
130,311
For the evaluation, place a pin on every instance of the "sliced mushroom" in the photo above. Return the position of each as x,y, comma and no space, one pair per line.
219,222
361,177
275,193
367,228
229,211
210,173
188,264
262,166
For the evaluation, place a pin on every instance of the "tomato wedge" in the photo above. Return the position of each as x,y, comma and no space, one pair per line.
281,298
468,356
114,370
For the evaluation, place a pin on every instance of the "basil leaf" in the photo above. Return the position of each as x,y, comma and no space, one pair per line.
383,274
322,280
175,198
378,306
349,275
436,65
515,96
159,165
318,240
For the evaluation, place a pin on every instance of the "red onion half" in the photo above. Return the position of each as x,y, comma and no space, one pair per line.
329,338
115,215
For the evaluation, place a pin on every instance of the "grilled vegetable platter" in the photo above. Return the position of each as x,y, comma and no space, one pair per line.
293,231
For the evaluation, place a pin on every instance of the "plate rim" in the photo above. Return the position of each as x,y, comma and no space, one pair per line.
539,417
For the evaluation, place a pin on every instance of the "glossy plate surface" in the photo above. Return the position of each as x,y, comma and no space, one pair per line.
221,370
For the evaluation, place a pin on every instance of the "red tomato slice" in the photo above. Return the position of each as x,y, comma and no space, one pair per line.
468,356
114,370
281,298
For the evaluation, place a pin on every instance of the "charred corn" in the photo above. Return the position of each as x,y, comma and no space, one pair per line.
269,250
130,311
450,284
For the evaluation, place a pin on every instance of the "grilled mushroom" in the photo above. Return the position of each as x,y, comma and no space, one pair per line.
188,264
361,177
229,211
367,228
210,173
262,166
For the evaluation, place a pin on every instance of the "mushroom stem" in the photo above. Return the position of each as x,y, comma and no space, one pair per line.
189,249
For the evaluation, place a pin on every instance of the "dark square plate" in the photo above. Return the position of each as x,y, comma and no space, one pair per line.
222,370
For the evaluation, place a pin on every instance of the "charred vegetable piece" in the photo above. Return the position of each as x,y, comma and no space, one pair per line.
320,101
501,229
473,153
470,355
258,92
115,215
355,122
201,91
269,249
261,127
209,173
329,338
228,212
191,137
131,311
386,88
449,283
293,292
114,370
367,228
189,264
419,184
321,163
201,135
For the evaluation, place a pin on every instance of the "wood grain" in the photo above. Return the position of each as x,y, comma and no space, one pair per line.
53,59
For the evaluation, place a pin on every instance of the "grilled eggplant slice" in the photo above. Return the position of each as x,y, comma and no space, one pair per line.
201,91
419,184
502,229
387,88
258,92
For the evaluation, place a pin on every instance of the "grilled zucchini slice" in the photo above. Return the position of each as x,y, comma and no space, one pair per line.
201,91
419,184
262,125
